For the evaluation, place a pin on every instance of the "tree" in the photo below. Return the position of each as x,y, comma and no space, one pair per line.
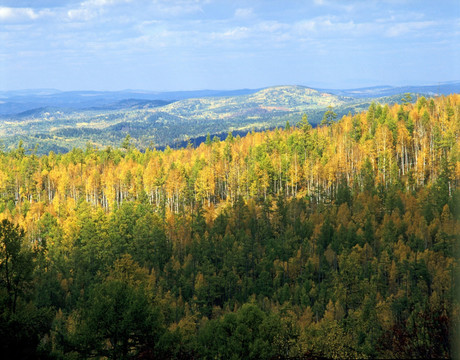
230,137
329,116
119,318
303,124
288,126
16,264
127,143
22,325
407,99
208,139
367,175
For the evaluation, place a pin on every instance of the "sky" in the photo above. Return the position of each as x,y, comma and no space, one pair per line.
164,45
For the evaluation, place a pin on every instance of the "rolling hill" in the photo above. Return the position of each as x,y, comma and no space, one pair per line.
63,120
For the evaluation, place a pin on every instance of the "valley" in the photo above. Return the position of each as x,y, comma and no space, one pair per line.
48,120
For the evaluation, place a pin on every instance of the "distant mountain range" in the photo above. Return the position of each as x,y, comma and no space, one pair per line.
444,88
58,120
14,102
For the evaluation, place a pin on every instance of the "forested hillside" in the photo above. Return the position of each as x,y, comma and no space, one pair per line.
339,241
161,123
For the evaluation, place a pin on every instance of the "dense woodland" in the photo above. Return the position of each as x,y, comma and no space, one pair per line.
339,241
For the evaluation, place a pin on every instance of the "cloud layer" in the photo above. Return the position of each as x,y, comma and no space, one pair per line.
185,44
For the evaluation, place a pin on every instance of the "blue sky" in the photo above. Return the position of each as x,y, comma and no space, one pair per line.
211,44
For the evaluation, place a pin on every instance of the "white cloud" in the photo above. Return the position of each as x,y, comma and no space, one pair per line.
271,26
92,8
305,26
98,3
339,4
244,13
177,10
326,26
236,33
81,14
407,27
8,14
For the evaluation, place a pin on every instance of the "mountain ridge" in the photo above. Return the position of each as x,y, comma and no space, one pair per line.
16,101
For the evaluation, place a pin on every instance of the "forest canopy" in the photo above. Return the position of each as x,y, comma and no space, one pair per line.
339,241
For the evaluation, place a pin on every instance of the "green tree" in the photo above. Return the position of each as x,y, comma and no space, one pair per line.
22,325
303,124
16,264
119,319
329,117
407,99
127,143
208,139
368,176
288,126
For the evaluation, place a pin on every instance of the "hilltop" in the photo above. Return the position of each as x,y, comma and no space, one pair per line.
272,99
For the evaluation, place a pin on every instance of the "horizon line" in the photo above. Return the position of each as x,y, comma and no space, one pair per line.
449,82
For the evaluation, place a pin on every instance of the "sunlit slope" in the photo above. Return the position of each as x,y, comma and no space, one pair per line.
272,99
164,123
